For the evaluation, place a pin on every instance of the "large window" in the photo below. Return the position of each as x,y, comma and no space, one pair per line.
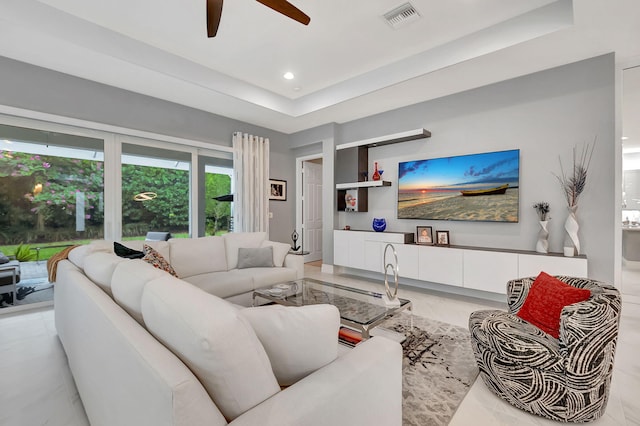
51,187
217,194
155,191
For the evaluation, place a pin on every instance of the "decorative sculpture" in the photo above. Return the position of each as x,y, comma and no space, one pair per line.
294,237
391,299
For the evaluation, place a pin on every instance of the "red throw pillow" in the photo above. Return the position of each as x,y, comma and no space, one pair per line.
544,303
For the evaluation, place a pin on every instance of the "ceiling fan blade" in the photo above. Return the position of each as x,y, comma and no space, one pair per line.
214,13
287,9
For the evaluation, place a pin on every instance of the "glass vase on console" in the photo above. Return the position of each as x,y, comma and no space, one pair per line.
376,174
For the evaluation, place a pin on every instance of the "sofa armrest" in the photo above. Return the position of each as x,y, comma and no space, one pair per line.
296,262
362,387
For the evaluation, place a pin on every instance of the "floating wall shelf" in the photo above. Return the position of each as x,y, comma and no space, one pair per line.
409,135
365,184
360,190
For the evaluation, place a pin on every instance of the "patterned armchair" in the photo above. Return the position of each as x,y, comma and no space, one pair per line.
565,379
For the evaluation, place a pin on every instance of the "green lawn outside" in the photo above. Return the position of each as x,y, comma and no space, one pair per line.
46,252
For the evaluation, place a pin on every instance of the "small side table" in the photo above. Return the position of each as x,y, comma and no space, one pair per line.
9,277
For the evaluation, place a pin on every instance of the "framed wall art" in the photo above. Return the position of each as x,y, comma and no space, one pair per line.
277,190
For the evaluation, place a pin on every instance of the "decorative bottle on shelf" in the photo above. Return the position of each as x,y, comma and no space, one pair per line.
376,174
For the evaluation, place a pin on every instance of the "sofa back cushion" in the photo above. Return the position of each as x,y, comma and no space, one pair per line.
234,240
280,251
195,256
219,346
128,282
77,255
99,267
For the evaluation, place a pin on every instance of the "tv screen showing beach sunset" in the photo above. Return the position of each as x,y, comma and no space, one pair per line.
483,187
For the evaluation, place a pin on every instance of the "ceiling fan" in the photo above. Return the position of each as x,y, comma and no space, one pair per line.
214,12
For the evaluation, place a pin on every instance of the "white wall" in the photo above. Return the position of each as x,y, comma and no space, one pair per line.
544,115
38,89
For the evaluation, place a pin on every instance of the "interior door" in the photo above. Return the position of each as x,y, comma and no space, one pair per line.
312,210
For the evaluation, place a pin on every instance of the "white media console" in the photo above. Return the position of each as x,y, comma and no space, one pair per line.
476,268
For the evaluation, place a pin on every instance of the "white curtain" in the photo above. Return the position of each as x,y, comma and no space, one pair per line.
251,179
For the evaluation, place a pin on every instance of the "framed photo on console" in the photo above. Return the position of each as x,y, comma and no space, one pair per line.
424,235
442,238
277,189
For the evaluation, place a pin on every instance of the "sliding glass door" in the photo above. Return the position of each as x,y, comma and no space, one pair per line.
51,187
155,191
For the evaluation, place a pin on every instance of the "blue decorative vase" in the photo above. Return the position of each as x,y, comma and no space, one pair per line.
379,225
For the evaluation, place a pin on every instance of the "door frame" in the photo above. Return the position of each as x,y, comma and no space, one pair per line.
299,187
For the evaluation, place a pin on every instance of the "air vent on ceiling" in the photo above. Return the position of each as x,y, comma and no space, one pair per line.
401,15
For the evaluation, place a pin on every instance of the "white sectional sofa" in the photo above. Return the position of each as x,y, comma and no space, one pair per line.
210,263
147,348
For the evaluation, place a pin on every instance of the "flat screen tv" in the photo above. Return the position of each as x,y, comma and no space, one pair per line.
476,187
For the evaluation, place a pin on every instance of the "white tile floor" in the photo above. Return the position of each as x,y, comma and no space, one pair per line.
36,387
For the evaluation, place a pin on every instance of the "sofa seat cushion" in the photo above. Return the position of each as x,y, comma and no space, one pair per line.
223,284
219,346
235,240
99,267
240,281
298,340
128,282
265,277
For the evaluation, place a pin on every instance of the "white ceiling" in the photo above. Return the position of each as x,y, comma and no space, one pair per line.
349,63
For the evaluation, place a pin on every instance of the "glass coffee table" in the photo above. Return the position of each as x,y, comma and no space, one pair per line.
359,309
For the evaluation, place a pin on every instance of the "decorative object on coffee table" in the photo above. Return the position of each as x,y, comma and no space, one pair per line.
573,184
359,309
390,298
379,225
542,208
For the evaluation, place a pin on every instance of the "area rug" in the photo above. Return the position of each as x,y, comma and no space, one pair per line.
438,369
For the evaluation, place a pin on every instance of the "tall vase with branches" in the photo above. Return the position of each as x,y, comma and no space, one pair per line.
573,184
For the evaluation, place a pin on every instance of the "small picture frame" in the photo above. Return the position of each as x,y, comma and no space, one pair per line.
424,235
442,238
277,190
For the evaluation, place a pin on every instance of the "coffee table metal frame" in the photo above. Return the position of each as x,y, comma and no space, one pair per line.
297,292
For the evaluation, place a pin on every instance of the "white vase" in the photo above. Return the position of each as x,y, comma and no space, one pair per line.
571,241
542,246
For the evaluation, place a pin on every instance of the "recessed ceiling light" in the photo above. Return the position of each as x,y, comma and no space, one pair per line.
288,75
296,89
624,138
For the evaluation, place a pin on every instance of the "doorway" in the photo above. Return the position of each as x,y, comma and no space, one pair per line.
630,279
309,206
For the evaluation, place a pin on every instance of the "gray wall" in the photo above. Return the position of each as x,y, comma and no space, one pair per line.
544,115
38,89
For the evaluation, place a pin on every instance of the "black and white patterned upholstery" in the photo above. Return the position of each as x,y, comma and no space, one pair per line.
565,379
